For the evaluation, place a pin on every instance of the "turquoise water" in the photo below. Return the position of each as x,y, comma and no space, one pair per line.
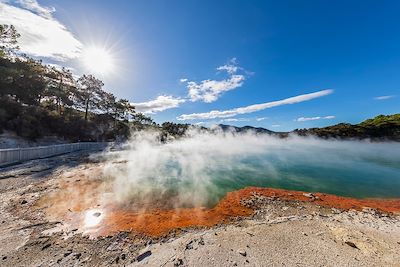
366,174
364,178
201,170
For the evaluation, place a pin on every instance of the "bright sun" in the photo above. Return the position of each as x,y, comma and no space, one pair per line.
97,60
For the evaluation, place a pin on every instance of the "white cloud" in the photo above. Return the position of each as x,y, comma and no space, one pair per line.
233,120
161,103
261,119
253,108
210,90
183,80
33,5
41,34
314,118
231,67
384,97
275,125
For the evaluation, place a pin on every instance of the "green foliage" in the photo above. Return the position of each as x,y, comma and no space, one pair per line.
172,130
380,127
382,121
8,40
38,100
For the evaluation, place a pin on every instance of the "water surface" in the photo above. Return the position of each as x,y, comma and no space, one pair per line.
202,169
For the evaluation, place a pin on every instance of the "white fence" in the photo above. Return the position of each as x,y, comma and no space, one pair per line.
15,155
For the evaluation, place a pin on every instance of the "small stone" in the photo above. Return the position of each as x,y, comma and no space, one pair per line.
24,202
335,211
178,262
351,244
309,195
77,255
123,256
242,252
66,254
201,242
143,255
97,214
4,258
46,246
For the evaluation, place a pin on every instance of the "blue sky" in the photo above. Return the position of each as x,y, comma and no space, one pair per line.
179,58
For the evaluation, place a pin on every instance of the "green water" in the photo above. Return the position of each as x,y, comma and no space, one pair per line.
201,170
331,171
360,179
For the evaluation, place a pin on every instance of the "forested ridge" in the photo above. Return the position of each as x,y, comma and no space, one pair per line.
382,127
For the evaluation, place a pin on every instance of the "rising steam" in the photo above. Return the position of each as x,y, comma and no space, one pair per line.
199,169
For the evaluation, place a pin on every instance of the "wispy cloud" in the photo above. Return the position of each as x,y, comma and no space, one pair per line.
261,119
275,125
183,80
231,67
210,90
41,34
384,97
314,118
254,108
161,103
234,120
33,5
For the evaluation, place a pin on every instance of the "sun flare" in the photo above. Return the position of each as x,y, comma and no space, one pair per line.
98,60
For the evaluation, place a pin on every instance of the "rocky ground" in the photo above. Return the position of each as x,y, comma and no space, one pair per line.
279,233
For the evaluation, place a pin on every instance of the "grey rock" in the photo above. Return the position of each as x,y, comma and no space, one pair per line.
242,252
143,255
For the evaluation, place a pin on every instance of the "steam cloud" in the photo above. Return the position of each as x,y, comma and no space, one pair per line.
200,169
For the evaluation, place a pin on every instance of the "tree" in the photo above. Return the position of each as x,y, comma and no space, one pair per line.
124,109
61,87
89,93
25,81
143,119
8,40
107,103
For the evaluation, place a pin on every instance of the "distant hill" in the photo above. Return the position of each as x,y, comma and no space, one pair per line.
382,127
245,129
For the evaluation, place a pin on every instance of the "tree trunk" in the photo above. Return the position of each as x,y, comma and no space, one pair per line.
86,110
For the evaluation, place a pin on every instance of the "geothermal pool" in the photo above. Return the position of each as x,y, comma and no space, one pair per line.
199,171
152,188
